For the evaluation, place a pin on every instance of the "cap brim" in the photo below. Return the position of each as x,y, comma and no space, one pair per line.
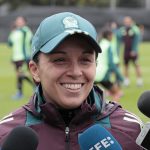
53,43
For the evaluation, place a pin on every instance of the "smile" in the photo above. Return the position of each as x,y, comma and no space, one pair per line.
72,86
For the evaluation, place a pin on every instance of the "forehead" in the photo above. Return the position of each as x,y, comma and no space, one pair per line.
20,19
127,20
75,41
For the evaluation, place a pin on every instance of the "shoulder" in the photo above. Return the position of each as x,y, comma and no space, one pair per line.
122,29
126,122
14,33
122,120
125,127
127,117
10,121
105,45
136,30
26,29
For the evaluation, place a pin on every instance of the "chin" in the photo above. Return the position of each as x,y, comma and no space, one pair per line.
72,106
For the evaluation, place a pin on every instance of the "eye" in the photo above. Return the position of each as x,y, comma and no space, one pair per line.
60,61
87,60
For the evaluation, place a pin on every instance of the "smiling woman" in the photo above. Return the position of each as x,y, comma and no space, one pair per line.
67,73
66,102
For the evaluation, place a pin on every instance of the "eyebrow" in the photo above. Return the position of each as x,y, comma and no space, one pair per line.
58,52
89,51
62,52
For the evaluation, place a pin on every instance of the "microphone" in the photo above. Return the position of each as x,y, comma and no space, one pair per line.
143,104
21,138
97,138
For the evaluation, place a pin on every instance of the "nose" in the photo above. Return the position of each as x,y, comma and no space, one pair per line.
74,70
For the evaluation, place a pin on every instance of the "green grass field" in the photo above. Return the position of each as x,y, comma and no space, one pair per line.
8,85
8,88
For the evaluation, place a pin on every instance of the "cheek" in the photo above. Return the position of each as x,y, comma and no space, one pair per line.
92,72
49,75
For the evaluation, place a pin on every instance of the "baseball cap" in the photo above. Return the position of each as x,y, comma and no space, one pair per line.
54,29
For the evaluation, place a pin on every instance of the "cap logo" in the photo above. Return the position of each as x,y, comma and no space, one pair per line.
70,22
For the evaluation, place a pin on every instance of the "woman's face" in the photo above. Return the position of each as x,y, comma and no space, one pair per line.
67,73
20,22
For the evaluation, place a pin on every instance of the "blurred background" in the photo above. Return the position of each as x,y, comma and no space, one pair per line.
99,12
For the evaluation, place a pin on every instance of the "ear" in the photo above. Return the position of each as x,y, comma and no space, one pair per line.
34,71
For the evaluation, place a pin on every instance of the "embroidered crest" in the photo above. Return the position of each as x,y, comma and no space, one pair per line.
70,22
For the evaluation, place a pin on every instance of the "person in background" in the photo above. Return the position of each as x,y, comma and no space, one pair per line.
142,30
19,41
66,102
106,66
115,48
130,36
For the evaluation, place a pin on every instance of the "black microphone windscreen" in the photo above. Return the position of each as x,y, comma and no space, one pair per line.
144,103
21,138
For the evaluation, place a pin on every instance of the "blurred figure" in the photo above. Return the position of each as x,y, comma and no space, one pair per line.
115,48
20,42
130,36
142,29
105,67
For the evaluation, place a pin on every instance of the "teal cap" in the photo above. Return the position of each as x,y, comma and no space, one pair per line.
54,29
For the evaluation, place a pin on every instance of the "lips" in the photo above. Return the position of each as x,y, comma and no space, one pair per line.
72,86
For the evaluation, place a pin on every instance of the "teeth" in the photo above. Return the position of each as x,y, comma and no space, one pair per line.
72,86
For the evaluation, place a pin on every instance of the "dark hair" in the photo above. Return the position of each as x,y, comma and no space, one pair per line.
106,33
96,55
36,57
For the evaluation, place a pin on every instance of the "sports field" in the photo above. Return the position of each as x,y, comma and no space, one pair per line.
128,101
